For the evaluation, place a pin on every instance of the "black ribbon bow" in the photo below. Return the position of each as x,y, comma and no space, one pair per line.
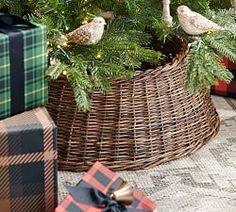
87,194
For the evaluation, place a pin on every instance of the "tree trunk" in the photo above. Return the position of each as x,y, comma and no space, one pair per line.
166,13
233,2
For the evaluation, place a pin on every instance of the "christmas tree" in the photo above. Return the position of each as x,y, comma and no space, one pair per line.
133,26
117,55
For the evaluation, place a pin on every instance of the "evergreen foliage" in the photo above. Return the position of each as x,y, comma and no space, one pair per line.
121,50
126,43
205,59
220,4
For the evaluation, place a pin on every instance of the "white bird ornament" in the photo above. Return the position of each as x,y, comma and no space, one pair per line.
194,23
88,34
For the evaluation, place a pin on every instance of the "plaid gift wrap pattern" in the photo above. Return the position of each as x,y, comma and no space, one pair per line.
23,81
224,89
106,181
28,171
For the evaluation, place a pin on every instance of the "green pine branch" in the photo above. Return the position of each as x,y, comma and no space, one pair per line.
205,67
205,59
127,42
222,47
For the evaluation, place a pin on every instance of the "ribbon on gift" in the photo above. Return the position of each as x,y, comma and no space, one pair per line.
11,25
116,201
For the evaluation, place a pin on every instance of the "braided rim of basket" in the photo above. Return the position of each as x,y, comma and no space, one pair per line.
178,60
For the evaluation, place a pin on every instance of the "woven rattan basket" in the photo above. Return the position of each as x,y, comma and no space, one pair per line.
141,123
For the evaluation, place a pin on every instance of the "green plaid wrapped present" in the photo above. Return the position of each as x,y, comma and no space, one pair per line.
23,65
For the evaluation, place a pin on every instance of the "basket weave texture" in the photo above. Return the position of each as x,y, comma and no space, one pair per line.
141,123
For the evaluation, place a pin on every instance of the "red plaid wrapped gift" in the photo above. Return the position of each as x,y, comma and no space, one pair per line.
224,89
101,181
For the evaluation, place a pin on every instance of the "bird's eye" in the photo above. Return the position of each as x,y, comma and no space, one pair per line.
181,11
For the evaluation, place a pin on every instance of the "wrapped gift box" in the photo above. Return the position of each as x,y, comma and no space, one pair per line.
103,182
28,171
23,65
224,89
